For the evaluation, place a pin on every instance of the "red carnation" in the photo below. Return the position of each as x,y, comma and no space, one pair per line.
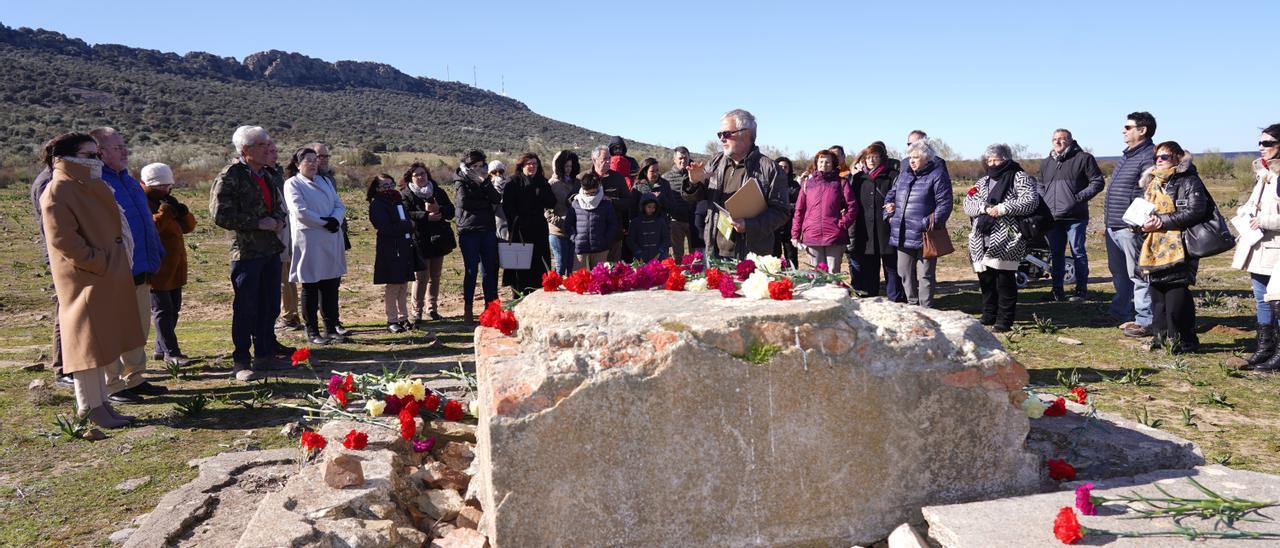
489,318
312,441
341,396
452,410
780,290
713,277
507,323
675,281
1080,395
972,190
745,268
411,407
551,281
1056,409
431,402
727,288
1066,527
393,404
349,383
579,281
301,355
1060,470
355,440
407,426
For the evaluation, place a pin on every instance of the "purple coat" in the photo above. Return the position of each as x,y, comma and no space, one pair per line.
918,196
825,210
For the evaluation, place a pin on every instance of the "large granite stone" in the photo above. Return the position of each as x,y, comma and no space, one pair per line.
1018,522
661,418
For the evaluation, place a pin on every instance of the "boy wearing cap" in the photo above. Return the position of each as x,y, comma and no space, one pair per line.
172,221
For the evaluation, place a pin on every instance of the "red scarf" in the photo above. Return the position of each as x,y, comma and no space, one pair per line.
266,190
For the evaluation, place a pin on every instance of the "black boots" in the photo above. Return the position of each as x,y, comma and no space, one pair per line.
1267,345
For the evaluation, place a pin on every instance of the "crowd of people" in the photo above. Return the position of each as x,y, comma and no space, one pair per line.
115,245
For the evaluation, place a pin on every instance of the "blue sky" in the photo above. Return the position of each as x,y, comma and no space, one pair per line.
814,73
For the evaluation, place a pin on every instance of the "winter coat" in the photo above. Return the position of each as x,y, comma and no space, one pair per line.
1005,246
524,200
824,211
235,203
1068,181
615,189
37,189
562,190
1264,203
592,230
669,200
759,237
147,249
476,202
84,237
1191,207
316,254
395,257
650,235
173,219
870,234
918,197
434,238
1124,182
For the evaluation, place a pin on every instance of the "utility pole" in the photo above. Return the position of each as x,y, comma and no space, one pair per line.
473,77
447,77
504,85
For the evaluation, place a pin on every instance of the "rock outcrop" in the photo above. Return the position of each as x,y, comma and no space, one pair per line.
661,418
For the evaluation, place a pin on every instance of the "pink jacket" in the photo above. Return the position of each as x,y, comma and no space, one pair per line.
825,210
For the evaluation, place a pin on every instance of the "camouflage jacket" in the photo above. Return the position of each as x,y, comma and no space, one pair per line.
235,203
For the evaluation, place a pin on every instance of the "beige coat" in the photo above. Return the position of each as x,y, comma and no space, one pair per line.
1262,257
90,266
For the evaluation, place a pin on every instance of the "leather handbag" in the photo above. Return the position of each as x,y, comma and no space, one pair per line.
937,242
1209,238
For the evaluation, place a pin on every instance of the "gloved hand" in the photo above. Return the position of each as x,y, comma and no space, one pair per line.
985,224
330,224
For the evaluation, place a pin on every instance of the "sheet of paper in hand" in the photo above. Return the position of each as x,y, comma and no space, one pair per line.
1139,211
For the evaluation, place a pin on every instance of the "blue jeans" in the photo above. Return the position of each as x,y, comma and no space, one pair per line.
1133,298
1062,233
1259,283
561,254
479,254
256,305
865,270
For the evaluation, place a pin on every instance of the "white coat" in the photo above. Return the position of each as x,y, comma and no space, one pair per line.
317,253
1263,256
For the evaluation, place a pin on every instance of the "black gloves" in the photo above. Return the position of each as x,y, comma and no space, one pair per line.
984,225
330,224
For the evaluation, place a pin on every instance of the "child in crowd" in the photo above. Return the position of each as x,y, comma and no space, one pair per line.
395,257
590,222
650,236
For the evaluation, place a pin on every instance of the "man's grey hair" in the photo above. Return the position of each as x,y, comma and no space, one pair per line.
601,151
247,136
316,145
1063,130
102,133
743,119
918,132
999,151
924,148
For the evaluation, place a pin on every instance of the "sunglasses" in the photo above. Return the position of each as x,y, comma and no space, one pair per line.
1128,128
1164,157
1268,144
724,135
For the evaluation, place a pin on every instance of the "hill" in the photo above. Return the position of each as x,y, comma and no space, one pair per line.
54,83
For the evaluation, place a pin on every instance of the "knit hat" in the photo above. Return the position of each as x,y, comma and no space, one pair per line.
157,175
497,165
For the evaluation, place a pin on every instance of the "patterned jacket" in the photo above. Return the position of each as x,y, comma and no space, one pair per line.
1005,246
235,203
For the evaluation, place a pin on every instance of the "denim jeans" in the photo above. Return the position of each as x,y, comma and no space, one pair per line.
561,254
1132,299
1259,283
1061,234
255,306
479,255
865,270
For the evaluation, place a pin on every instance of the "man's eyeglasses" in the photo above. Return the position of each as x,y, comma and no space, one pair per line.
1164,157
725,135
1268,144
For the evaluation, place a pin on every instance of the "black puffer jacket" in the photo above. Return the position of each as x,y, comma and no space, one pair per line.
434,238
1191,207
1068,181
1124,182
870,235
476,202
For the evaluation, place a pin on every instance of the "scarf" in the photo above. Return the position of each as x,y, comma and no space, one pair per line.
427,192
1001,180
1161,249
589,202
94,166
876,172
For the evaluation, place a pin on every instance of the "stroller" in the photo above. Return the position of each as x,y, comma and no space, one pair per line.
1035,265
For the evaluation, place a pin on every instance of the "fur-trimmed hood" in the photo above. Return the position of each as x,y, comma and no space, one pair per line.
1185,166
1271,171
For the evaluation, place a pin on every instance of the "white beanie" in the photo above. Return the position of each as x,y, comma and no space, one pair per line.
157,174
496,165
